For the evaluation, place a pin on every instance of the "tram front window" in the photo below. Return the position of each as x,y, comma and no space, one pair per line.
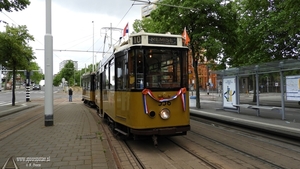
163,68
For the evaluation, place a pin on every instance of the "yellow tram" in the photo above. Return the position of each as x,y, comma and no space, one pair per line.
142,88
88,89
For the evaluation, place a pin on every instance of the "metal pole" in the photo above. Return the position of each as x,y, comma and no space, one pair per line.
48,68
237,92
257,92
267,84
80,78
207,85
282,96
93,47
0,77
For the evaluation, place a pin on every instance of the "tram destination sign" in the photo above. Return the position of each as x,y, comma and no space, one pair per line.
156,40
162,40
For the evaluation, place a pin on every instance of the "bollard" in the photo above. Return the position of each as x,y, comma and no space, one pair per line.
27,86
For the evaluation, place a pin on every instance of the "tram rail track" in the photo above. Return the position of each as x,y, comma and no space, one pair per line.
240,151
268,144
207,162
249,131
162,155
142,151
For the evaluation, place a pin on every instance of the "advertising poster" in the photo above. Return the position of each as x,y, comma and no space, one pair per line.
293,88
229,92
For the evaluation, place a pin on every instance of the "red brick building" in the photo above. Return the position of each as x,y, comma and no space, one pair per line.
204,75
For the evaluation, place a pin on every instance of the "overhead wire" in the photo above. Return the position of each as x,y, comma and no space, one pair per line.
118,25
19,24
126,13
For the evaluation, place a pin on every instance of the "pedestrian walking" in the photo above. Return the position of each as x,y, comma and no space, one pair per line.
70,94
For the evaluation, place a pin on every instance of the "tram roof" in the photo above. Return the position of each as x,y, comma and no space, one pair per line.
166,40
269,67
151,39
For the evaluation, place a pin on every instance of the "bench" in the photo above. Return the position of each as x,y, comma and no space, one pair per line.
258,108
242,105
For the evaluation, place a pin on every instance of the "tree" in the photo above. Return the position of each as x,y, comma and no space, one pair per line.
36,75
57,79
68,73
16,5
15,52
268,30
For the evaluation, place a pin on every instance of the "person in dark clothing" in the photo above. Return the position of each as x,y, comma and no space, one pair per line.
70,94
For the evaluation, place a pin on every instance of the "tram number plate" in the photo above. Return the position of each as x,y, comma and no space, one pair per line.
137,40
164,103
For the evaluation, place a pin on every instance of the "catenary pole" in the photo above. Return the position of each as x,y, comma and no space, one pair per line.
48,68
93,48
0,77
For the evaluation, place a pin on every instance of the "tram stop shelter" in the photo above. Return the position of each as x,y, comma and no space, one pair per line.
289,84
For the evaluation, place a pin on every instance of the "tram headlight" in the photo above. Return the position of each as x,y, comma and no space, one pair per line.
165,114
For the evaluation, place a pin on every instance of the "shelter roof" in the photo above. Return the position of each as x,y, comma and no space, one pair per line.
262,68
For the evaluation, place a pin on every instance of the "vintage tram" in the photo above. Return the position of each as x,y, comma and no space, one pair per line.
88,89
141,89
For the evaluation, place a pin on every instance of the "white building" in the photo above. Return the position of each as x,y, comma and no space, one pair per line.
63,63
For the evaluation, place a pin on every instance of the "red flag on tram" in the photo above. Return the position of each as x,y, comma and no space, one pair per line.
185,36
125,30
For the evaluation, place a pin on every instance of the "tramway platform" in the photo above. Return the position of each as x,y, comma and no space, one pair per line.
268,121
72,142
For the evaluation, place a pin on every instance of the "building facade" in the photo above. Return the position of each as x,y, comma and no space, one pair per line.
63,63
206,78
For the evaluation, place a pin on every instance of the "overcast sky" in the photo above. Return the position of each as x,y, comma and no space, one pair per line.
72,26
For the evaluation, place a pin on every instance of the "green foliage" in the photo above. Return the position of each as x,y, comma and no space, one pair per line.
16,5
268,31
14,48
57,79
15,52
36,76
211,26
69,73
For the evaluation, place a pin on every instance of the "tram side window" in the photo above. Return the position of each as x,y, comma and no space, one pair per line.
112,75
106,77
131,68
184,68
121,73
97,81
103,80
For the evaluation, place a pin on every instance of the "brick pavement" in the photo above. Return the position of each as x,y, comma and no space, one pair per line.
73,142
